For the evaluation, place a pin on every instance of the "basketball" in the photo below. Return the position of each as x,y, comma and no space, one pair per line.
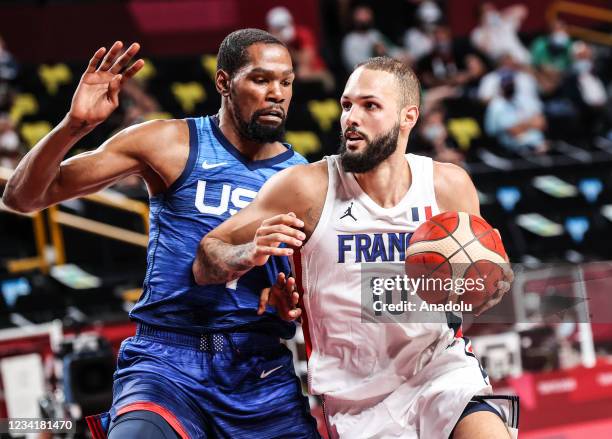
456,252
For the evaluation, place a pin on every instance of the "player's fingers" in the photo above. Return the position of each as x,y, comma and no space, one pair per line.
295,313
295,298
274,238
263,300
287,218
95,59
108,60
494,300
508,273
124,59
113,89
281,228
502,287
272,251
133,69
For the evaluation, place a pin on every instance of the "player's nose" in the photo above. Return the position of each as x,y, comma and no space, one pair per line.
275,92
352,117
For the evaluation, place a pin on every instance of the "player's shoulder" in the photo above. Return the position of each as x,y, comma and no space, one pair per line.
153,135
303,172
453,187
450,179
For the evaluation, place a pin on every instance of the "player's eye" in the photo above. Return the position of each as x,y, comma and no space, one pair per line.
286,83
372,106
346,106
260,81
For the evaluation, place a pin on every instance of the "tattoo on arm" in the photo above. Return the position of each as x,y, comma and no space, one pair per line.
218,262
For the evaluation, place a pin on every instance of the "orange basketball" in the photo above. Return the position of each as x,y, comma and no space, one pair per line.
456,252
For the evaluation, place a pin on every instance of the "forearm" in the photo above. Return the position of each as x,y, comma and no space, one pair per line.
28,186
218,262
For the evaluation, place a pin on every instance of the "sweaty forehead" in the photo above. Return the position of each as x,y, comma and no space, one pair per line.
268,56
376,83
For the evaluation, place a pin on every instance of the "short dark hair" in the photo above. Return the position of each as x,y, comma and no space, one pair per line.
233,49
409,86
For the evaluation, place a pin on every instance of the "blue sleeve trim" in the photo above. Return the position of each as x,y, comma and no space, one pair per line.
193,155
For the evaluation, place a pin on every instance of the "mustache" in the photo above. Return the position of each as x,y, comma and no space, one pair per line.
353,130
276,109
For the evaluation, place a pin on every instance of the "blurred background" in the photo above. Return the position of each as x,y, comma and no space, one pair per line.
518,93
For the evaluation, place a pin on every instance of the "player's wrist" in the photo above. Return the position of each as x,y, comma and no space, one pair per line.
77,126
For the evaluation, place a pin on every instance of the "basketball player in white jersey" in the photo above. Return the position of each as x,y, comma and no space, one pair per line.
398,380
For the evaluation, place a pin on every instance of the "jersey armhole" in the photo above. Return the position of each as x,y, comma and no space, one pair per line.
191,160
327,208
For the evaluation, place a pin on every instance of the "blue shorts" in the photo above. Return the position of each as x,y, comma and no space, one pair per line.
239,385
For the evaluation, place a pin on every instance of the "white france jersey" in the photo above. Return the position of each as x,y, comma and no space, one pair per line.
359,366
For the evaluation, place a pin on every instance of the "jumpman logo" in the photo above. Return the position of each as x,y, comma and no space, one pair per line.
348,212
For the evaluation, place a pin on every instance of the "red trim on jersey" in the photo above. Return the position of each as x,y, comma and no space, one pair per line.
95,427
459,333
155,408
427,212
297,263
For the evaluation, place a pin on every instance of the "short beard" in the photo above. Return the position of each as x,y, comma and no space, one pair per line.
256,132
375,152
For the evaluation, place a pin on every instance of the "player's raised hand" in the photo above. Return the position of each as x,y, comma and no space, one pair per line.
280,229
283,296
97,94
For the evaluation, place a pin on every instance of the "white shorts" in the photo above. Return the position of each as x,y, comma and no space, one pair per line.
426,406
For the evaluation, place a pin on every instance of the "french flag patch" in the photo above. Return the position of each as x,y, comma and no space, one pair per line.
419,213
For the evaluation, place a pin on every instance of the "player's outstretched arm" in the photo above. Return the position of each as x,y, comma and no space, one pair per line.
280,214
39,180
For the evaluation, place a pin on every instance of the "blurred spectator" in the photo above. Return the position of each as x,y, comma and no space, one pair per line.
8,72
551,56
515,119
497,32
433,139
8,65
552,51
585,91
419,40
524,81
137,104
10,152
446,66
364,41
302,44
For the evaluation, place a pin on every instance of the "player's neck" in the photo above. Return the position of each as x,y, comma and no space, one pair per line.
248,148
388,183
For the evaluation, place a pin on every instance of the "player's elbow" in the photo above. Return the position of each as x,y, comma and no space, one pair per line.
198,273
198,267
14,202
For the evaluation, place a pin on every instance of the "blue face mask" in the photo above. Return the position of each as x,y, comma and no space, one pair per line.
582,66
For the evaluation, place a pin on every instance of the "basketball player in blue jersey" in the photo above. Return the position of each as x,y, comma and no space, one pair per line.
406,379
204,363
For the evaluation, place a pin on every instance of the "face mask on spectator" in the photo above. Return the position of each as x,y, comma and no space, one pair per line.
433,132
287,34
507,89
583,66
363,26
443,47
559,38
492,18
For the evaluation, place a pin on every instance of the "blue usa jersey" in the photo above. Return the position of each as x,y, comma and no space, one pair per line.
216,183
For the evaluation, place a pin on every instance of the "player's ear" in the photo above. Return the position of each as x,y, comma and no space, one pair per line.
222,82
409,116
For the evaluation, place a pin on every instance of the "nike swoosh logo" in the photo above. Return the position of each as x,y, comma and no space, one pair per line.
265,373
207,165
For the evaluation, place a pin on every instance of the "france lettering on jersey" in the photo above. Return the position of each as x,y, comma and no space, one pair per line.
216,183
